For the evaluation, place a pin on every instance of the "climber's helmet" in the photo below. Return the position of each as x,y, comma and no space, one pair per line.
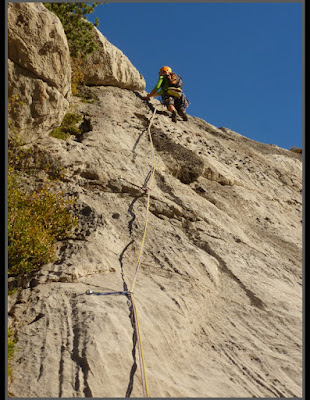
165,70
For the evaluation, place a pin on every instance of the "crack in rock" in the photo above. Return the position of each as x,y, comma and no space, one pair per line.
255,301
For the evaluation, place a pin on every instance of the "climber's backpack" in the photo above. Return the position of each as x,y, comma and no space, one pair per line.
175,80
175,88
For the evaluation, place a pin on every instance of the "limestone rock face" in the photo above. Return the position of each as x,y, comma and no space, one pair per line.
219,290
39,70
109,66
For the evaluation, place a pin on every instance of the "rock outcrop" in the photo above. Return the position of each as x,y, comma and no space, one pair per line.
39,70
109,66
219,293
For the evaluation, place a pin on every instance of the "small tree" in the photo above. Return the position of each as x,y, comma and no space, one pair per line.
80,36
78,30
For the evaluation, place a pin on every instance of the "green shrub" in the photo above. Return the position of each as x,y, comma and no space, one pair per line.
78,30
68,127
11,349
80,35
37,217
18,156
36,220
77,77
14,106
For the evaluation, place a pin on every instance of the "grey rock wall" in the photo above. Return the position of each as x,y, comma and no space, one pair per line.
219,292
39,70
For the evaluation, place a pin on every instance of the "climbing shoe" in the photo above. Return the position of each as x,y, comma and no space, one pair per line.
183,114
174,116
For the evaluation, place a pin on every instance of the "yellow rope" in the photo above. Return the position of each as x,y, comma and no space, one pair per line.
130,292
140,349
148,202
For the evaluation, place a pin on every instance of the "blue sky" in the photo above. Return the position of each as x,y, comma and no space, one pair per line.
241,63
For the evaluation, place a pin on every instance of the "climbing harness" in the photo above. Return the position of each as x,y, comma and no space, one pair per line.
130,293
174,91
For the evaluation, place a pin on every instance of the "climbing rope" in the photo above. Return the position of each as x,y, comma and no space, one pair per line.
130,293
140,348
139,341
148,202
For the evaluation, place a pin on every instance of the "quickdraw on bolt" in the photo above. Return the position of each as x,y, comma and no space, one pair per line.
89,292
130,293
144,188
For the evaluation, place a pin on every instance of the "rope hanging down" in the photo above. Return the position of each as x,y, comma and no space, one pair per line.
140,348
148,201
129,293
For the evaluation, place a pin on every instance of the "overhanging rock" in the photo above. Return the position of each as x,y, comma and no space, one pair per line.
108,66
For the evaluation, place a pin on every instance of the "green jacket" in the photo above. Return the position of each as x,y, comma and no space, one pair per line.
162,85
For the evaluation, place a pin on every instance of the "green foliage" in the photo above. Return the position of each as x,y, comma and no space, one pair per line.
77,77
296,149
14,102
11,349
36,220
18,156
14,105
68,127
80,36
78,85
78,30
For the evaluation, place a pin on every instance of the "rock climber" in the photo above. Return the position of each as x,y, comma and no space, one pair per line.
169,86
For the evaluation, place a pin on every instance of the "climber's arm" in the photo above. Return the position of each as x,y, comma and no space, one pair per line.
156,90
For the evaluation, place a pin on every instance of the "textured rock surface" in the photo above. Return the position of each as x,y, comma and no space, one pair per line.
39,70
219,293
109,66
